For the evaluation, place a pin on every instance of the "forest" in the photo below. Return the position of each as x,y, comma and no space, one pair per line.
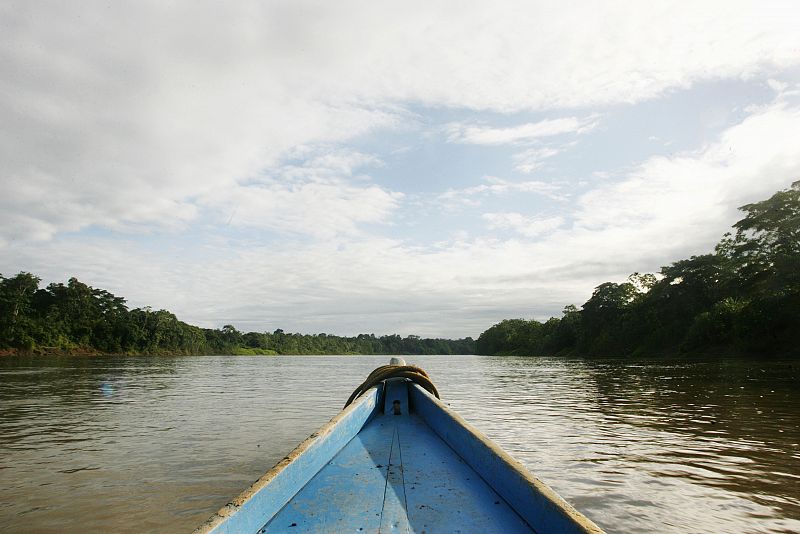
744,298
75,318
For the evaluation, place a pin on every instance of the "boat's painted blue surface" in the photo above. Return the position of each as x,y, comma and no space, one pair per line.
397,475
534,501
255,506
424,470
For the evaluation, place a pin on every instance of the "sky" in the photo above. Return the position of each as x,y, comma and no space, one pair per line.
425,168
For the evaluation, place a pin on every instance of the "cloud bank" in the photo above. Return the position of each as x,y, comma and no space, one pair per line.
204,159
121,116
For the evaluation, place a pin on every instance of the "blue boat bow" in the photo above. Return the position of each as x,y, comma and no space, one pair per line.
398,460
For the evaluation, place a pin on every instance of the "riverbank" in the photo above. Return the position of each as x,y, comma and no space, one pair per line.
236,351
671,353
88,351
52,351
75,318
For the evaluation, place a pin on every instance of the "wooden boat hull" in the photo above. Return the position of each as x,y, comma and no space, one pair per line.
423,470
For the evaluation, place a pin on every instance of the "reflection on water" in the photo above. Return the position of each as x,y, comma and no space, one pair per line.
703,447
157,444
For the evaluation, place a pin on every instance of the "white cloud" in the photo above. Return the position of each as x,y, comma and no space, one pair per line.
523,133
337,286
321,197
470,196
665,209
148,116
527,226
323,210
777,86
122,115
322,163
527,135
531,159
671,201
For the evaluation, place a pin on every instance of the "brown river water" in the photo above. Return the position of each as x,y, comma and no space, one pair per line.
155,444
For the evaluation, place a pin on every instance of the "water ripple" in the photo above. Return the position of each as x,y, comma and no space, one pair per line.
671,446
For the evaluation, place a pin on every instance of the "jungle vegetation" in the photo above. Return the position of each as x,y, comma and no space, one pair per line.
744,298
77,318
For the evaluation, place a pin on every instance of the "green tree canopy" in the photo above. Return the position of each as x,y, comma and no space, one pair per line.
743,298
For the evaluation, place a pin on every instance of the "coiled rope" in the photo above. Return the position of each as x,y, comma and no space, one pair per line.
384,372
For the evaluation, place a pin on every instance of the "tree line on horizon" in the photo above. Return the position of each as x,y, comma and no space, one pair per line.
77,318
744,298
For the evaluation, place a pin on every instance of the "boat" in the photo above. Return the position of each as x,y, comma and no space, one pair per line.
397,459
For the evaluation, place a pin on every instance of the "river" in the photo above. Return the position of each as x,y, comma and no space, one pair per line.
156,444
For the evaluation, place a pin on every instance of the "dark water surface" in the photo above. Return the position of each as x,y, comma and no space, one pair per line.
157,444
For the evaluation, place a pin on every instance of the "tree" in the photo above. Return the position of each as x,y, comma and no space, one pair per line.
513,336
16,300
765,251
565,332
744,298
602,318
